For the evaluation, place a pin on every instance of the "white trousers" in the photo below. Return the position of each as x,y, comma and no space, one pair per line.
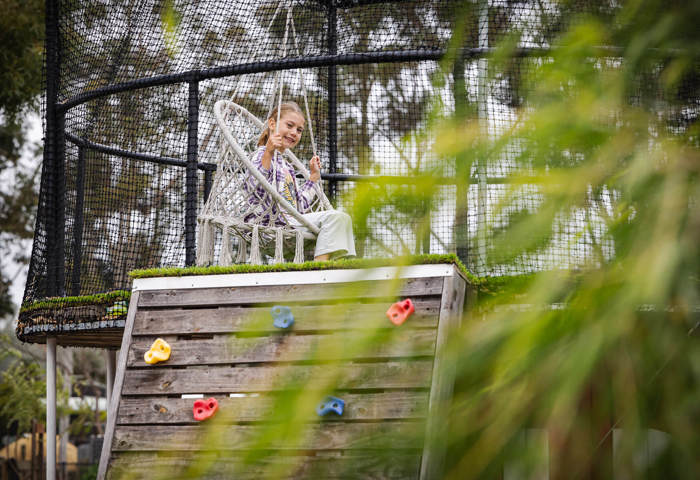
335,237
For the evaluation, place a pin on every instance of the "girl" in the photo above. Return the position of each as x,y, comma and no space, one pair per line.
335,238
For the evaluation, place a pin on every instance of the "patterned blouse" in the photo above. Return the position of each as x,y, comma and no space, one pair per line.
262,204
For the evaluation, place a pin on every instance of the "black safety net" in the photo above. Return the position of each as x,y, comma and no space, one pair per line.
132,142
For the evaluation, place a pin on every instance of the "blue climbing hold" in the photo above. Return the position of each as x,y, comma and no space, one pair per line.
330,404
282,316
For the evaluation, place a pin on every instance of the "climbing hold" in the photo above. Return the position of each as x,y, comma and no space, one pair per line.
330,404
282,316
203,409
118,309
400,311
159,352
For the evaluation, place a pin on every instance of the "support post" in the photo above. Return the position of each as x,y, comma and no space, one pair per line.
332,100
111,361
51,408
482,109
77,246
191,174
207,184
462,168
426,233
60,202
33,449
48,185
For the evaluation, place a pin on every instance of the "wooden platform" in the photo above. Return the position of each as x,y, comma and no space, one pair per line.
268,381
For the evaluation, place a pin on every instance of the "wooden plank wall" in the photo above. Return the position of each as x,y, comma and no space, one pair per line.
225,346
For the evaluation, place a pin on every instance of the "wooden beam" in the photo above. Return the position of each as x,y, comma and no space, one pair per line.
399,405
113,407
215,437
271,294
245,379
289,347
444,371
392,465
347,316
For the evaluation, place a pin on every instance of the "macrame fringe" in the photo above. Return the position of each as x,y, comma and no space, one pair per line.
242,254
225,255
205,244
299,250
255,258
279,246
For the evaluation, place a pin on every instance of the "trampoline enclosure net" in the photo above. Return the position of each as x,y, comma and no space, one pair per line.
105,213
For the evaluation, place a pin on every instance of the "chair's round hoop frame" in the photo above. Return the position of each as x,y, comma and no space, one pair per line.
220,109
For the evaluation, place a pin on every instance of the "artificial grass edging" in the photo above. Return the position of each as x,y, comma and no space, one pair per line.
76,301
308,266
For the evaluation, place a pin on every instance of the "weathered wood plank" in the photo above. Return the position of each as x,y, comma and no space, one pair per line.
290,293
229,349
107,339
324,436
365,406
390,465
241,379
442,383
306,318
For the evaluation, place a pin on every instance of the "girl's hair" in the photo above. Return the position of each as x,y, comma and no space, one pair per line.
284,108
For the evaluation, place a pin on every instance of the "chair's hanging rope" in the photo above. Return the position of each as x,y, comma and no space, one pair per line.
302,81
284,54
278,76
290,23
237,85
303,91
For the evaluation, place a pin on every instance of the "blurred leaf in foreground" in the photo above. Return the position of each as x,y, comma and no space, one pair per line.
607,353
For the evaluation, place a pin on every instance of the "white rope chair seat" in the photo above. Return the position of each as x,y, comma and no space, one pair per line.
237,207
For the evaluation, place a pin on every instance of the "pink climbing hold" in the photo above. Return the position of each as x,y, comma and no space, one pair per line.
204,409
400,311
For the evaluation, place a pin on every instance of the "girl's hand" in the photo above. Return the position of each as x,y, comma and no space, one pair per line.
315,169
275,142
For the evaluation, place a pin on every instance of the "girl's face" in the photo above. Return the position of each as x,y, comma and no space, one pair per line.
291,128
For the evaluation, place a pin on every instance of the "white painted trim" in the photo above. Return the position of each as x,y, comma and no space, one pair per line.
292,278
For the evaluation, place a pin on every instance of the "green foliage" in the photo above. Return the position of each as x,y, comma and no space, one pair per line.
615,345
23,388
21,37
89,473
170,21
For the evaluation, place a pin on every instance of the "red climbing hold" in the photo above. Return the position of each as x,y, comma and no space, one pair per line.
204,409
400,311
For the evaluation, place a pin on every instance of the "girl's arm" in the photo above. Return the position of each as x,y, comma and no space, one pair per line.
307,192
315,168
305,195
252,186
274,143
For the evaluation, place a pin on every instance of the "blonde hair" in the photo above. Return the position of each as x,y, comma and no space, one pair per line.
284,108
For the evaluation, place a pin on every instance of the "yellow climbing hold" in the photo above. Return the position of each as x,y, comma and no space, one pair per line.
159,352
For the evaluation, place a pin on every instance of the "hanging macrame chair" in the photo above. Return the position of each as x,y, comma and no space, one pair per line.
237,212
